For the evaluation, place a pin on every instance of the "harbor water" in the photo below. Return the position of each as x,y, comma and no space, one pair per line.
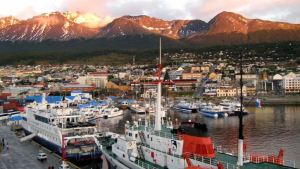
266,129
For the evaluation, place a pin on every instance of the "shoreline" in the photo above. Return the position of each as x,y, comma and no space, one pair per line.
274,100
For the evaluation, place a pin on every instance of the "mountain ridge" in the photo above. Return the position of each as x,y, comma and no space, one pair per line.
226,28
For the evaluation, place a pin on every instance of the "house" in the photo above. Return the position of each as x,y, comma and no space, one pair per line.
176,85
190,75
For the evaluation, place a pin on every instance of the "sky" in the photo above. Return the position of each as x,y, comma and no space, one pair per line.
276,10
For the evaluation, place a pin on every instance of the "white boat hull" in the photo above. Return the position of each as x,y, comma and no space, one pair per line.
121,164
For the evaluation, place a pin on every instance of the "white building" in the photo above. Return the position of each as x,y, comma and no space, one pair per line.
150,93
291,83
98,79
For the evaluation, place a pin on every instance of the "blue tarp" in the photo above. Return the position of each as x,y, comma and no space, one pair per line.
15,118
70,97
92,103
49,99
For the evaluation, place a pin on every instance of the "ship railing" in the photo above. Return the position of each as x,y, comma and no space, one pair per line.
161,133
259,158
290,163
145,165
165,134
272,159
211,161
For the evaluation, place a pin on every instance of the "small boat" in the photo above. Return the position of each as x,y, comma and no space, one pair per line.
186,107
232,107
110,112
137,108
215,111
209,112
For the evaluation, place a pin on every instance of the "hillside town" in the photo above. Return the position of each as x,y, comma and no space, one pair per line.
185,75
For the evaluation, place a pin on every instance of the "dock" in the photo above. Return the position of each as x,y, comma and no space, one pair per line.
23,155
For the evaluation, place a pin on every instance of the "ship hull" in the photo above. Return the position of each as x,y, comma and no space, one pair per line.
121,164
57,149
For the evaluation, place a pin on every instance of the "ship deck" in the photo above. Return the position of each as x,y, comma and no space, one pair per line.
228,161
233,160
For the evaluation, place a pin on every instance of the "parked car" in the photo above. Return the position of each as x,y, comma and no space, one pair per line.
42,156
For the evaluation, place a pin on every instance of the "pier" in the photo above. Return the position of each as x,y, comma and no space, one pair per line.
23,155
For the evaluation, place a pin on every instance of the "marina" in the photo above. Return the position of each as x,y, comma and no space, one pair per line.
145,85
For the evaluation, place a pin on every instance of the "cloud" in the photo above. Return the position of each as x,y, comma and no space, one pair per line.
278,10
25,9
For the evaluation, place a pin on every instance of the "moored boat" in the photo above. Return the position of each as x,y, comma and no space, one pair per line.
51,125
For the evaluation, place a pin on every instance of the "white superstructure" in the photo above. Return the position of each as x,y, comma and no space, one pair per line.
52,123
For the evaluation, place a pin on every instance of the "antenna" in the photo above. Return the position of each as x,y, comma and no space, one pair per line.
133,60
159,51
158,98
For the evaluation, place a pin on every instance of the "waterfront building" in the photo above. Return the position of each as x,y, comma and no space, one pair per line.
230,91
99,79
291,83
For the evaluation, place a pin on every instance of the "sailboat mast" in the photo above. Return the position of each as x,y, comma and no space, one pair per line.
241,136
158,99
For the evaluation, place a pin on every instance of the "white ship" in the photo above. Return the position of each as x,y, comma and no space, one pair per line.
51,123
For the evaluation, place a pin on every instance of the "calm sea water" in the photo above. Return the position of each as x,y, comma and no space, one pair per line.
266,130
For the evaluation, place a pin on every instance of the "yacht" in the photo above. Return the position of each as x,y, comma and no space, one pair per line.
186,107
110,112
232,107
137,108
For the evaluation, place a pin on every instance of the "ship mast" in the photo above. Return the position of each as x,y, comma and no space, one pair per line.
158,98
241,136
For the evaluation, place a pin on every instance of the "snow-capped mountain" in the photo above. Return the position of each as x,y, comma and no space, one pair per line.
55,26
225,28
128,25
8,21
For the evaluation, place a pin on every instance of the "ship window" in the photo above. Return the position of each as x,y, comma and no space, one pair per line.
41,119
130,134
136,135
148,135
123,155
151,138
